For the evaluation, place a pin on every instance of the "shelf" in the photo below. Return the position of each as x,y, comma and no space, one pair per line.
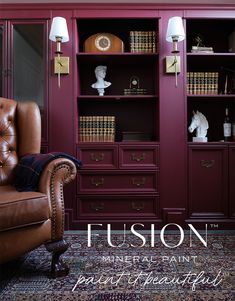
212,54
116,97
232,143
212,96
117,54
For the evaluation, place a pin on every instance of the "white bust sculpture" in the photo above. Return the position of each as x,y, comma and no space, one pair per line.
100,84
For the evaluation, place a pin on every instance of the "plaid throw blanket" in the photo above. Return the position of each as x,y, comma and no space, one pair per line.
27,172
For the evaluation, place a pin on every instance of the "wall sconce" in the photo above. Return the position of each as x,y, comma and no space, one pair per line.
175,33
59,34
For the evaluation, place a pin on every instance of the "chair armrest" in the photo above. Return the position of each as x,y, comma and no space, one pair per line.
55,175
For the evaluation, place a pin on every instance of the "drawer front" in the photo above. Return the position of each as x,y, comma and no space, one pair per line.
138,156
117,182
113,206
98,157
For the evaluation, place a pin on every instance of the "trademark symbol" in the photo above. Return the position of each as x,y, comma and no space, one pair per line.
214,226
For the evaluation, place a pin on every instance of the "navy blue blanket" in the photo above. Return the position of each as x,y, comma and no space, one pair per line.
27,173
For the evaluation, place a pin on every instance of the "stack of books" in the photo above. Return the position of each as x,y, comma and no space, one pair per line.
97,128
202,49
143,41
202,83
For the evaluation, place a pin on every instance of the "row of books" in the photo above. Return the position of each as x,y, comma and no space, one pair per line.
202,83
143,41
97,128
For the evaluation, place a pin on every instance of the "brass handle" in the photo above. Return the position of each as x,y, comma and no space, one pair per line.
138,182
137,206
97,182
137,158
97,206
97,157
207,163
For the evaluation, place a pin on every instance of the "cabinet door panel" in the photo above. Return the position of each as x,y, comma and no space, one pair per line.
208,181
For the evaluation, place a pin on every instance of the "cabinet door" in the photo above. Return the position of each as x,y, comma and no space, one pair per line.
232,180
208,181
23,61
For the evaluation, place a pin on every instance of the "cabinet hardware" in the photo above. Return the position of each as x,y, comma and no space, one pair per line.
137,158
97,206
137,206
207,163
97,157
97,182
138,182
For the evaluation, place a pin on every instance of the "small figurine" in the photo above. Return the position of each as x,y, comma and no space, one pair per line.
100,84
200,123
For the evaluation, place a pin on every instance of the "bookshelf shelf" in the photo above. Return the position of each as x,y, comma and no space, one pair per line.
229,54
212,97
115,97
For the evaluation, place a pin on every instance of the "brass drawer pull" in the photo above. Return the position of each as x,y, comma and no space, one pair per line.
138,182
137,206
97,182
207,163
137,158
97,206
97,157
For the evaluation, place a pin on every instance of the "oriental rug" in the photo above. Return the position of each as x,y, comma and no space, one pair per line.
130,270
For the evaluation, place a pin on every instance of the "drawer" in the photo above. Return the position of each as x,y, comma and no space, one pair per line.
118,182
98,157
116,206
133,156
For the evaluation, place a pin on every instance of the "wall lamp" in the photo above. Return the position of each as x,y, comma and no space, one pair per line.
59,34
175,33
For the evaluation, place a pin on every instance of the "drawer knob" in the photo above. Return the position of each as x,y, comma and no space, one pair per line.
97,182
207,163
97,157
137,206
137,158
138,182
97,206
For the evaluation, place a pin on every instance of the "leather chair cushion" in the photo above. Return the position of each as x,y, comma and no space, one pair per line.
20,209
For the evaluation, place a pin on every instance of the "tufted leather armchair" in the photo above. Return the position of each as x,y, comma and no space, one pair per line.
29,219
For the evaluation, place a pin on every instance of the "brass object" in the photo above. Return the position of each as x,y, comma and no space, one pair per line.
98,182
137,206
97,206
61,65
97,157
138,182
207,163
136,158
173,64
134,87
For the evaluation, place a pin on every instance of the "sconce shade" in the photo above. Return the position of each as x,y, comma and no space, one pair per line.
59,30
175,30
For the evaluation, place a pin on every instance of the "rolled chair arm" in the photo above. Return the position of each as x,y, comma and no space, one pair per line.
55,175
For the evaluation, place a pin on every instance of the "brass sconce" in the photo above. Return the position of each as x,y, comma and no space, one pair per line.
59,34
175,33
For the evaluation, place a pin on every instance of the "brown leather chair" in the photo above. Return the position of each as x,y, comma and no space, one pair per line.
29,219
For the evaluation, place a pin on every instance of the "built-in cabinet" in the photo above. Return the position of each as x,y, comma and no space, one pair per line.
118,179
139,161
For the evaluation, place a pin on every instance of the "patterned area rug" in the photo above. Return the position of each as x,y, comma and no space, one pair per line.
128,272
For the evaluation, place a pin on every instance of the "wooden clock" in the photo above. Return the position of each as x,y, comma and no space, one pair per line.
103,42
